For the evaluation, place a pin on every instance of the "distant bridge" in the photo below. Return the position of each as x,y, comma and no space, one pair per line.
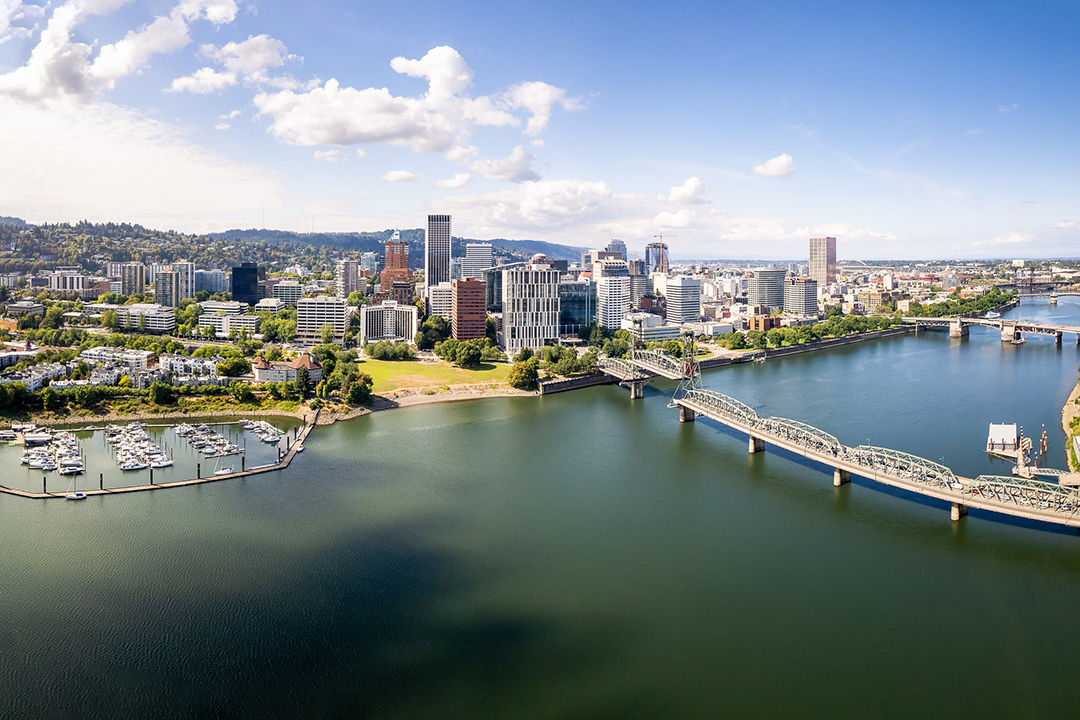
1051,295
640,366
1011,330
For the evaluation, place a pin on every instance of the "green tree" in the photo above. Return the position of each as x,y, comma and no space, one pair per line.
162,394
109,319
241,392
50,399
302,381
491,331
523,355
523,375
326,333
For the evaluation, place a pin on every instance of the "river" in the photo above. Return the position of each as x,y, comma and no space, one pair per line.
577,555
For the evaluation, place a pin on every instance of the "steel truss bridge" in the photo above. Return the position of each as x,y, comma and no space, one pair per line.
1011,330
1030,499
640,366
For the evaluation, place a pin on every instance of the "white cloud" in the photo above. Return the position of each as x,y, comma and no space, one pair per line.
250,58
231,115
17,19
1067,224
222,126
329,156
1008,108
149,172
1013,238
515,167
780,166
400,176
446,71
60,68
202,81
538,98
679,219
459,180
689,192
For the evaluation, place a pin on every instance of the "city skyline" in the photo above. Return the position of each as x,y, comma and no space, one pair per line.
738,135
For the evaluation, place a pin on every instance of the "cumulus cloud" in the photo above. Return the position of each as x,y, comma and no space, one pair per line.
780,166
247,61
202,81
401,176
515,167
459,180
440,120
689,192
61,68
329,156
1013,238
1067,224
18,19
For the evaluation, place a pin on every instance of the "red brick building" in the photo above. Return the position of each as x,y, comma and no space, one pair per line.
469,313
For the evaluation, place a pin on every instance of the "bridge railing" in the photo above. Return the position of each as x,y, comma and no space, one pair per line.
802,434
904,465
622,369
662,362
1031,494
724,405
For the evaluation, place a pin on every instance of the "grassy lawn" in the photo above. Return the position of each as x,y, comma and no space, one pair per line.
394,374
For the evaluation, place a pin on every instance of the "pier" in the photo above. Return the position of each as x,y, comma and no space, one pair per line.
284,459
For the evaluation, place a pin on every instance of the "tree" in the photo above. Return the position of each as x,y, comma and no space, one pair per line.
302,381
523,355
109,319
50,399
469,354
356,298
162,394
326,334
234,367
359,390
523,375
241,392
491,330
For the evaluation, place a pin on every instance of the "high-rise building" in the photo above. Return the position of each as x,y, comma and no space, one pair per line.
396,263
478,257
185,272
640,286
610,267
530,306
369,262
132,278
346,278
683,299
400,291
656,258
289,292
617,246
313,313
469,316
441,300
612,301
767,288
800,296
577,306
245,283
167,288
823,260
212,281
389,320
437,250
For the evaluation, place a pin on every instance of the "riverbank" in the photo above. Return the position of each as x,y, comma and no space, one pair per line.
407,397
1070,423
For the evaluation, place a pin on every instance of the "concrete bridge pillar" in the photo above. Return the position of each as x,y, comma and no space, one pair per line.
1053,300
957,328
1008,333
840,477
1057,338
685,414
756,445
637,390
958,511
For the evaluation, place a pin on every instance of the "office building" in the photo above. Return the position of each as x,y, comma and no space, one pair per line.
767,288
648,327
577,306
185,279
167,288
369,262
313,313
245,282
469,317
800,296
441,300
640,286
530,306
133,278
396,262
346,278
212,281
389,320
400,291
612,301
656,258
478,257
683,299
73,282
289,292
823,260
610,267
437,250
225,324
147,317
618,247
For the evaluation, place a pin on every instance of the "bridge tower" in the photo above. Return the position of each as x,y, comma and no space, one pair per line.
691,372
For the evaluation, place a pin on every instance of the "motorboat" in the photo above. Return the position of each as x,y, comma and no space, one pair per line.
161,462
991,315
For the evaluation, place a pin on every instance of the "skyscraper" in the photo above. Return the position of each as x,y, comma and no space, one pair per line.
437,250
683,300
612,301
656,258
469,316
530,306
823,260
396,263
478,257
185,272
800,296
132,278
245,283
767,288
617,246
167,288
346,278
577,306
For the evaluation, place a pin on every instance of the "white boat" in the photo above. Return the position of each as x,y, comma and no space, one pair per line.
299,447
992,315
161,462
75,496
224,471
133,465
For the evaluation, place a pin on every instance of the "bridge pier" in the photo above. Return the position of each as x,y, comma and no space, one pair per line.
637,389
1053,300
958,511
1057,338
957,329
840,477
1009,333
685,414
756,445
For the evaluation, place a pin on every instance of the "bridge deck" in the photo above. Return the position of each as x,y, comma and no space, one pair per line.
1031,500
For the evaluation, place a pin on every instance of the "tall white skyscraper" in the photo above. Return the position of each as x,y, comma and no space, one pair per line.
437,250
613,300
823,260
530,306
185,272
346,278
683,299
478,257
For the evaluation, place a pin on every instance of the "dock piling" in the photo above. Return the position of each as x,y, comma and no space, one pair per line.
101,481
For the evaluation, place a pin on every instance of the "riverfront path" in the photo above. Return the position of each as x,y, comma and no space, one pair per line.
279,465
1029,499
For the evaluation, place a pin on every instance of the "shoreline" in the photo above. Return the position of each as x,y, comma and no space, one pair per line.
1069,411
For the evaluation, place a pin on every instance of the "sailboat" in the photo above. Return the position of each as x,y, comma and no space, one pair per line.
75,494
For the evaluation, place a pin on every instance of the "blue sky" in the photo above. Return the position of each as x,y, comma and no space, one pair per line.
735,129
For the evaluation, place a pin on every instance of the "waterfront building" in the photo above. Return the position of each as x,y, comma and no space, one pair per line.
468,312
648,327
289,292
167,288
871,300
656,258
437,250
133,278
189,365
245,282
618,247
823,260
346,278
130,359
530,306
313,313
441,300
800,296
388,320
683,299
478,257
767,288
577,306
762,323
286,370
612,301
